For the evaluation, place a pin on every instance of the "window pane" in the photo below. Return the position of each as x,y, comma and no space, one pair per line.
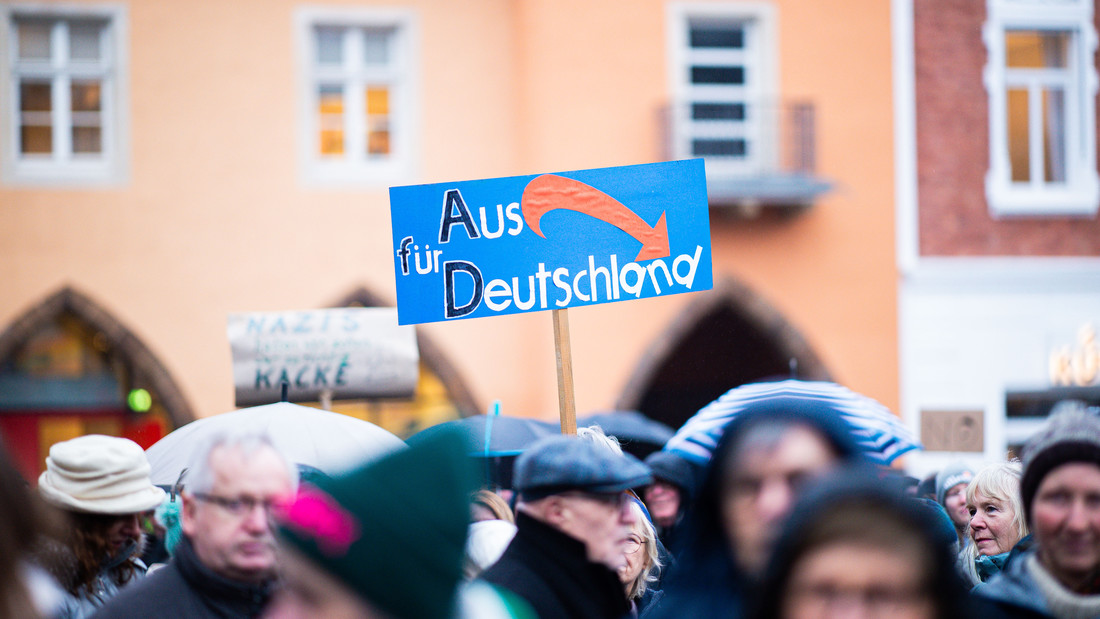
376,45
1018,142
84,40
718,111
1036,49
378,125
331,119
717,75
34,40
88,140
330,48
86,97
378,139
378,101
719,148
717,36
1054,136
35,97
36,125
36,140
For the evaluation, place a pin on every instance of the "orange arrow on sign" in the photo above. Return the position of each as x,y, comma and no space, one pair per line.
549,191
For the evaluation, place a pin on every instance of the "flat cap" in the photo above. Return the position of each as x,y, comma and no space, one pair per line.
561,463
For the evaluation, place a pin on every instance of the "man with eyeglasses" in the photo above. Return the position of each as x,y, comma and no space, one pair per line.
574,520
225,563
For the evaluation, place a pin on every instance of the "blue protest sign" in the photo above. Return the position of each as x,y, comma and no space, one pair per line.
530,243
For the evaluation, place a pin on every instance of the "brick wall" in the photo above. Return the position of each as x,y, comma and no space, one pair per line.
953,152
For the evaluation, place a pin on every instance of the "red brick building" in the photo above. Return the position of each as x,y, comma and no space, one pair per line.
998,231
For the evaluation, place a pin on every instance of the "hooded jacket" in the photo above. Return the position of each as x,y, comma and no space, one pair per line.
857,486
705,580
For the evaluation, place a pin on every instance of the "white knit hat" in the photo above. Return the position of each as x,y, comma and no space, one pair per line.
100,475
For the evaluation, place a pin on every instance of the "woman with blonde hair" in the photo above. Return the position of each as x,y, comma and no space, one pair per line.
488,505
643,563
997,520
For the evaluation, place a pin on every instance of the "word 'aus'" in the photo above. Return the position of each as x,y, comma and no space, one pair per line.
455,212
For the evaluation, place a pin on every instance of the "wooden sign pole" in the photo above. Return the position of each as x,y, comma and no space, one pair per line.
565,372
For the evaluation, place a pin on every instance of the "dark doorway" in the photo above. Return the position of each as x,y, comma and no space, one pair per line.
69,368
728,337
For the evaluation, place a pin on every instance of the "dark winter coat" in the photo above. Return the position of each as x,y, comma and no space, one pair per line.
1013,590
187,589
550,570
705,580
855,488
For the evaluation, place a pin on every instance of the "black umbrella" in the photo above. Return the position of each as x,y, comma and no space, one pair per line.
495,440
639,435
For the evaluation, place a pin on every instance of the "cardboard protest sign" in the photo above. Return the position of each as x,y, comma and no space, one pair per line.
530,243
346,353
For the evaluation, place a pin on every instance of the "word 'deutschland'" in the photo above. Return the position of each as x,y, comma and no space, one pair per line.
483,261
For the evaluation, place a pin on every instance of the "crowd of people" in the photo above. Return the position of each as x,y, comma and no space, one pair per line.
789,519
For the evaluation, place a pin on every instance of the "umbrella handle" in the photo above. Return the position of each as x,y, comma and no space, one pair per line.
178,485
494,410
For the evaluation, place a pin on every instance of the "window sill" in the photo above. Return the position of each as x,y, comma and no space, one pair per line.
343,174
61,175
1082,200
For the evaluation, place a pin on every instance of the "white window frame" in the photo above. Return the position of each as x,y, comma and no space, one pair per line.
355,168
1079,195
760,57
62,167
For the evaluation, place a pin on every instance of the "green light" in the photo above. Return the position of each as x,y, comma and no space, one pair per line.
140,400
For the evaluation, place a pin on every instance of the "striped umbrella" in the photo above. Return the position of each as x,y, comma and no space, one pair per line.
877,430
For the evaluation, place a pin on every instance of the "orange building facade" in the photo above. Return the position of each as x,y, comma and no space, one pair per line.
161,169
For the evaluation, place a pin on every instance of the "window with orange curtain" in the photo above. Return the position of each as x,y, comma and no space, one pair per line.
360,93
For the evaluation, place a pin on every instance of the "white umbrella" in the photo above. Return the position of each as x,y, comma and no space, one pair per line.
327,441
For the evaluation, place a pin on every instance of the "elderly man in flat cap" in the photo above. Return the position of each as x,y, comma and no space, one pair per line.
573,521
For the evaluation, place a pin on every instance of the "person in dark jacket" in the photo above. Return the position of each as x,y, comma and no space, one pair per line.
857,546
1059,576
951,484
101,484
225,563
670,494
766,453
385,539
574,520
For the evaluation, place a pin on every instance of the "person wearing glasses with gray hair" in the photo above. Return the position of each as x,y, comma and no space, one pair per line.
225,563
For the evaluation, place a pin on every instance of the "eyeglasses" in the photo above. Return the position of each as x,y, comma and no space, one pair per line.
615,499
632,545
239,506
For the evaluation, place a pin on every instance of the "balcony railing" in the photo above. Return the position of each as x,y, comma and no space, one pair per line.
757,154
